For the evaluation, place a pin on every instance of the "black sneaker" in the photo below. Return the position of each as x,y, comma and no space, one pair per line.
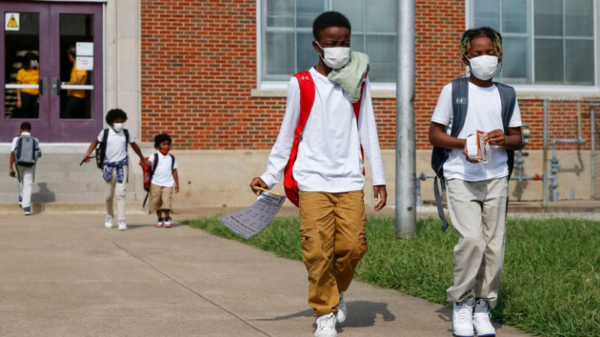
167,222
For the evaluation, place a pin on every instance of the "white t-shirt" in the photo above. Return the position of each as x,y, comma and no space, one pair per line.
115,145
484,113
163,176
329,157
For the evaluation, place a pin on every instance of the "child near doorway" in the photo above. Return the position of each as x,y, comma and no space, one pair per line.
24,153
329,165
115,163
477,193
165,180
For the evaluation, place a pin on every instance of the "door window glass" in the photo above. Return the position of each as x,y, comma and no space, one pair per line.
22,71
76,66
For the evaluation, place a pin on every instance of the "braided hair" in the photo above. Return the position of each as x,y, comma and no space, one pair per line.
469,35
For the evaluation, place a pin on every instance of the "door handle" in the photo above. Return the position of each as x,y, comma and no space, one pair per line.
43,86
55,86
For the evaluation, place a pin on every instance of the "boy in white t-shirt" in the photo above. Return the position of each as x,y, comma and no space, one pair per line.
329,167
477,192
165,180
115,163
25,173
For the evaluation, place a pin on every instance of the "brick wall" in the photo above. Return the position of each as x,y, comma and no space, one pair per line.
199,67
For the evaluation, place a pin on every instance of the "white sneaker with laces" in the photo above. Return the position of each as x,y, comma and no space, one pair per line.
108,223
326,326
462,318
122,225
481,319
342,310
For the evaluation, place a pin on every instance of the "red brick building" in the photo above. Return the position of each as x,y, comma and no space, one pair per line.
213,73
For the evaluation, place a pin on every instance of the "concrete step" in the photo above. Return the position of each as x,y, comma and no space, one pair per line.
63,197
66,208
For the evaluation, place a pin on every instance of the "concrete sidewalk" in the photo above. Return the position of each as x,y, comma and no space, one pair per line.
69,276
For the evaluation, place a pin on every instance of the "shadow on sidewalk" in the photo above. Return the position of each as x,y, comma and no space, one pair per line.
361,314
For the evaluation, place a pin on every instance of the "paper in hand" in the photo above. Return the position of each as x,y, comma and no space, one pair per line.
252,220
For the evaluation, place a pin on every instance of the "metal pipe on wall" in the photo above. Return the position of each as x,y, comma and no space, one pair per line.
406,207
545,154
593,151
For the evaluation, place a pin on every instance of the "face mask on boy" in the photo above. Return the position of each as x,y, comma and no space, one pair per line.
118,127
335,57
483,67
33,64
164,151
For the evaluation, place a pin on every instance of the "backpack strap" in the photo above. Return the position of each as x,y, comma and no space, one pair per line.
356,106
19,147
307,98
460,105
172,163
155,163
508,98
103,144
126,132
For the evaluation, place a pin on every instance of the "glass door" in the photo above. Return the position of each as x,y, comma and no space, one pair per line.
76,75
52,70
24,69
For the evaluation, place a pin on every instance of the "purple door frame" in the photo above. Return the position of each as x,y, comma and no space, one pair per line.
77,130
9,128
49,127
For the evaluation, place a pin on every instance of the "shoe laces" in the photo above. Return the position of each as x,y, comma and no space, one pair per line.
465,312
327,321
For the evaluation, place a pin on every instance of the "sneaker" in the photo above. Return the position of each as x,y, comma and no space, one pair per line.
462,318
122,225
160,222
481,319
27,211
167,222
342,310
108,223
326,326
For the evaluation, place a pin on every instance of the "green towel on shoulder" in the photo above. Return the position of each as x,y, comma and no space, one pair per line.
351,76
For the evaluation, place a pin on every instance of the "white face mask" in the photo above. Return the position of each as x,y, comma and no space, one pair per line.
33,63
336,57
484,67
118,127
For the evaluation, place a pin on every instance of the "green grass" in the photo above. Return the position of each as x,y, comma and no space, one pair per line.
551,282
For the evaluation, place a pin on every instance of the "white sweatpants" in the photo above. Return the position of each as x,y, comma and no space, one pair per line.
25,183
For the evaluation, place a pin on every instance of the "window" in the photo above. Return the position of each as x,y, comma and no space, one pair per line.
546,42
286,35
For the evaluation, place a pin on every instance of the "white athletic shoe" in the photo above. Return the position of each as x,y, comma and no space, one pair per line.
108,223
462,318
342,310
481,319
326,326
122,225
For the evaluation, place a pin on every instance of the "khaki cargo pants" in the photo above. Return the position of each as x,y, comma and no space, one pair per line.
478,213
332,231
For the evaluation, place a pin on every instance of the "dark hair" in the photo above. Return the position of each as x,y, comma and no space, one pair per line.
329,19
158,139
27,60
72,51
26,126
114,114
469,35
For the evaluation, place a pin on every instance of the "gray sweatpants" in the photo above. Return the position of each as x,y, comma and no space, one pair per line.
478,213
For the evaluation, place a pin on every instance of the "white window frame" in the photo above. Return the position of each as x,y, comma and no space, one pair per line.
548,88
278,88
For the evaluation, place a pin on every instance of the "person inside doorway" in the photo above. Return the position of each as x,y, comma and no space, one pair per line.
28,99
75,106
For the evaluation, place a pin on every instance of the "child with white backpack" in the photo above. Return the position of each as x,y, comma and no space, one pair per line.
24,153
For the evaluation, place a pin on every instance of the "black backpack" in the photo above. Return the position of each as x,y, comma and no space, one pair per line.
101,148
460,105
